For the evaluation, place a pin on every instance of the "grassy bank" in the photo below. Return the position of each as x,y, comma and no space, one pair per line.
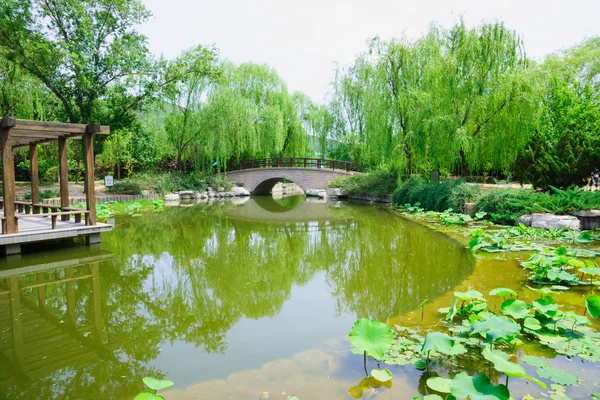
503,206
170,183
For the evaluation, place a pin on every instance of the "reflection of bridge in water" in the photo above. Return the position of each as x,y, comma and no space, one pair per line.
35,339
290,211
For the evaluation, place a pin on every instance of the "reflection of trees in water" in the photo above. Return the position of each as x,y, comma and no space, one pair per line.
191,274
194,273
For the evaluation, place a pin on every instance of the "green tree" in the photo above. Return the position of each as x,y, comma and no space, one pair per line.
82,51
566,146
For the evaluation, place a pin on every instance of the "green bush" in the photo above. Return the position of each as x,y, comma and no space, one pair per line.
377,183
505,206
453,193
126,186
170,183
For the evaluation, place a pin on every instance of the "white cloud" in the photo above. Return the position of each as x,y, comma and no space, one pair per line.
303,39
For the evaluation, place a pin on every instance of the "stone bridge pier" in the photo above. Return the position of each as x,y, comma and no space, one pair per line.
260,181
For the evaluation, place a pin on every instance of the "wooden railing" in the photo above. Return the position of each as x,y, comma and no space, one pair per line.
320,163
29,210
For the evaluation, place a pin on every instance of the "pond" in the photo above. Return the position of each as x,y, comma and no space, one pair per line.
231,300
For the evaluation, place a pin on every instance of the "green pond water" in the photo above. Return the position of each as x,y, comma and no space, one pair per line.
231,301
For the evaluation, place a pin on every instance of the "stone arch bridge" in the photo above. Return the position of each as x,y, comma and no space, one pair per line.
260,175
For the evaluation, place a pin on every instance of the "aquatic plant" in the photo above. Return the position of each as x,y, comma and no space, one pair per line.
154,385
372,338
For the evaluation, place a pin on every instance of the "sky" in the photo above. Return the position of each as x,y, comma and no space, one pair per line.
304,40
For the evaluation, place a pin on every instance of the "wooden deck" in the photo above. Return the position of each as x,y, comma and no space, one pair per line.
39,229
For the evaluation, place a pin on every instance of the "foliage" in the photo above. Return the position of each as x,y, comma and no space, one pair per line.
501,205
448,194
564,149
154,385
458,98
82,51
378,183
171,183
373,338
126,186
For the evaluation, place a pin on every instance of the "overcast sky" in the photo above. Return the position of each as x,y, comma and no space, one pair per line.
303,39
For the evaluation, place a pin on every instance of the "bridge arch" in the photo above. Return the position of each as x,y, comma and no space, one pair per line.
261,180
265,187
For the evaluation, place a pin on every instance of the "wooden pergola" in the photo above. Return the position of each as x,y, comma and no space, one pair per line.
15,133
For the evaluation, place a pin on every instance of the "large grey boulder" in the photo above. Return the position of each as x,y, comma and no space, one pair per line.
550,221
334,193
187,195
320,193
589,219
171,197
525,219
240,191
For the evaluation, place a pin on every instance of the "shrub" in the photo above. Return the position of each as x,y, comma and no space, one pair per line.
505,206
435,196
377,183
126,187
170,182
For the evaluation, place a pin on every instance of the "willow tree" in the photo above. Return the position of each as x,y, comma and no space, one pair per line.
200,70
278,125
483,101
454,97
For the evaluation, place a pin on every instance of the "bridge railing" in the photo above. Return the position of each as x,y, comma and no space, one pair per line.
293,162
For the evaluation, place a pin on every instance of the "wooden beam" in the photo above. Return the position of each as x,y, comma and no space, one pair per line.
35,184
90,192
8,176
63,172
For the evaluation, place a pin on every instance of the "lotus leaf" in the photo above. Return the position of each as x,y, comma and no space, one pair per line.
592,304
439,384
561,251
157,384
477,388
452,311
532,324
432,397
543,291
374,337
497,328
595,271
502,292
501,363
546,306
148,395
382,375
469,295
534,361
517,309
439,342
557,375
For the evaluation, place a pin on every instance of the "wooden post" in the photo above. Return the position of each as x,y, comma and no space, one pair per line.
63,172
88,150
35,184
8,174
